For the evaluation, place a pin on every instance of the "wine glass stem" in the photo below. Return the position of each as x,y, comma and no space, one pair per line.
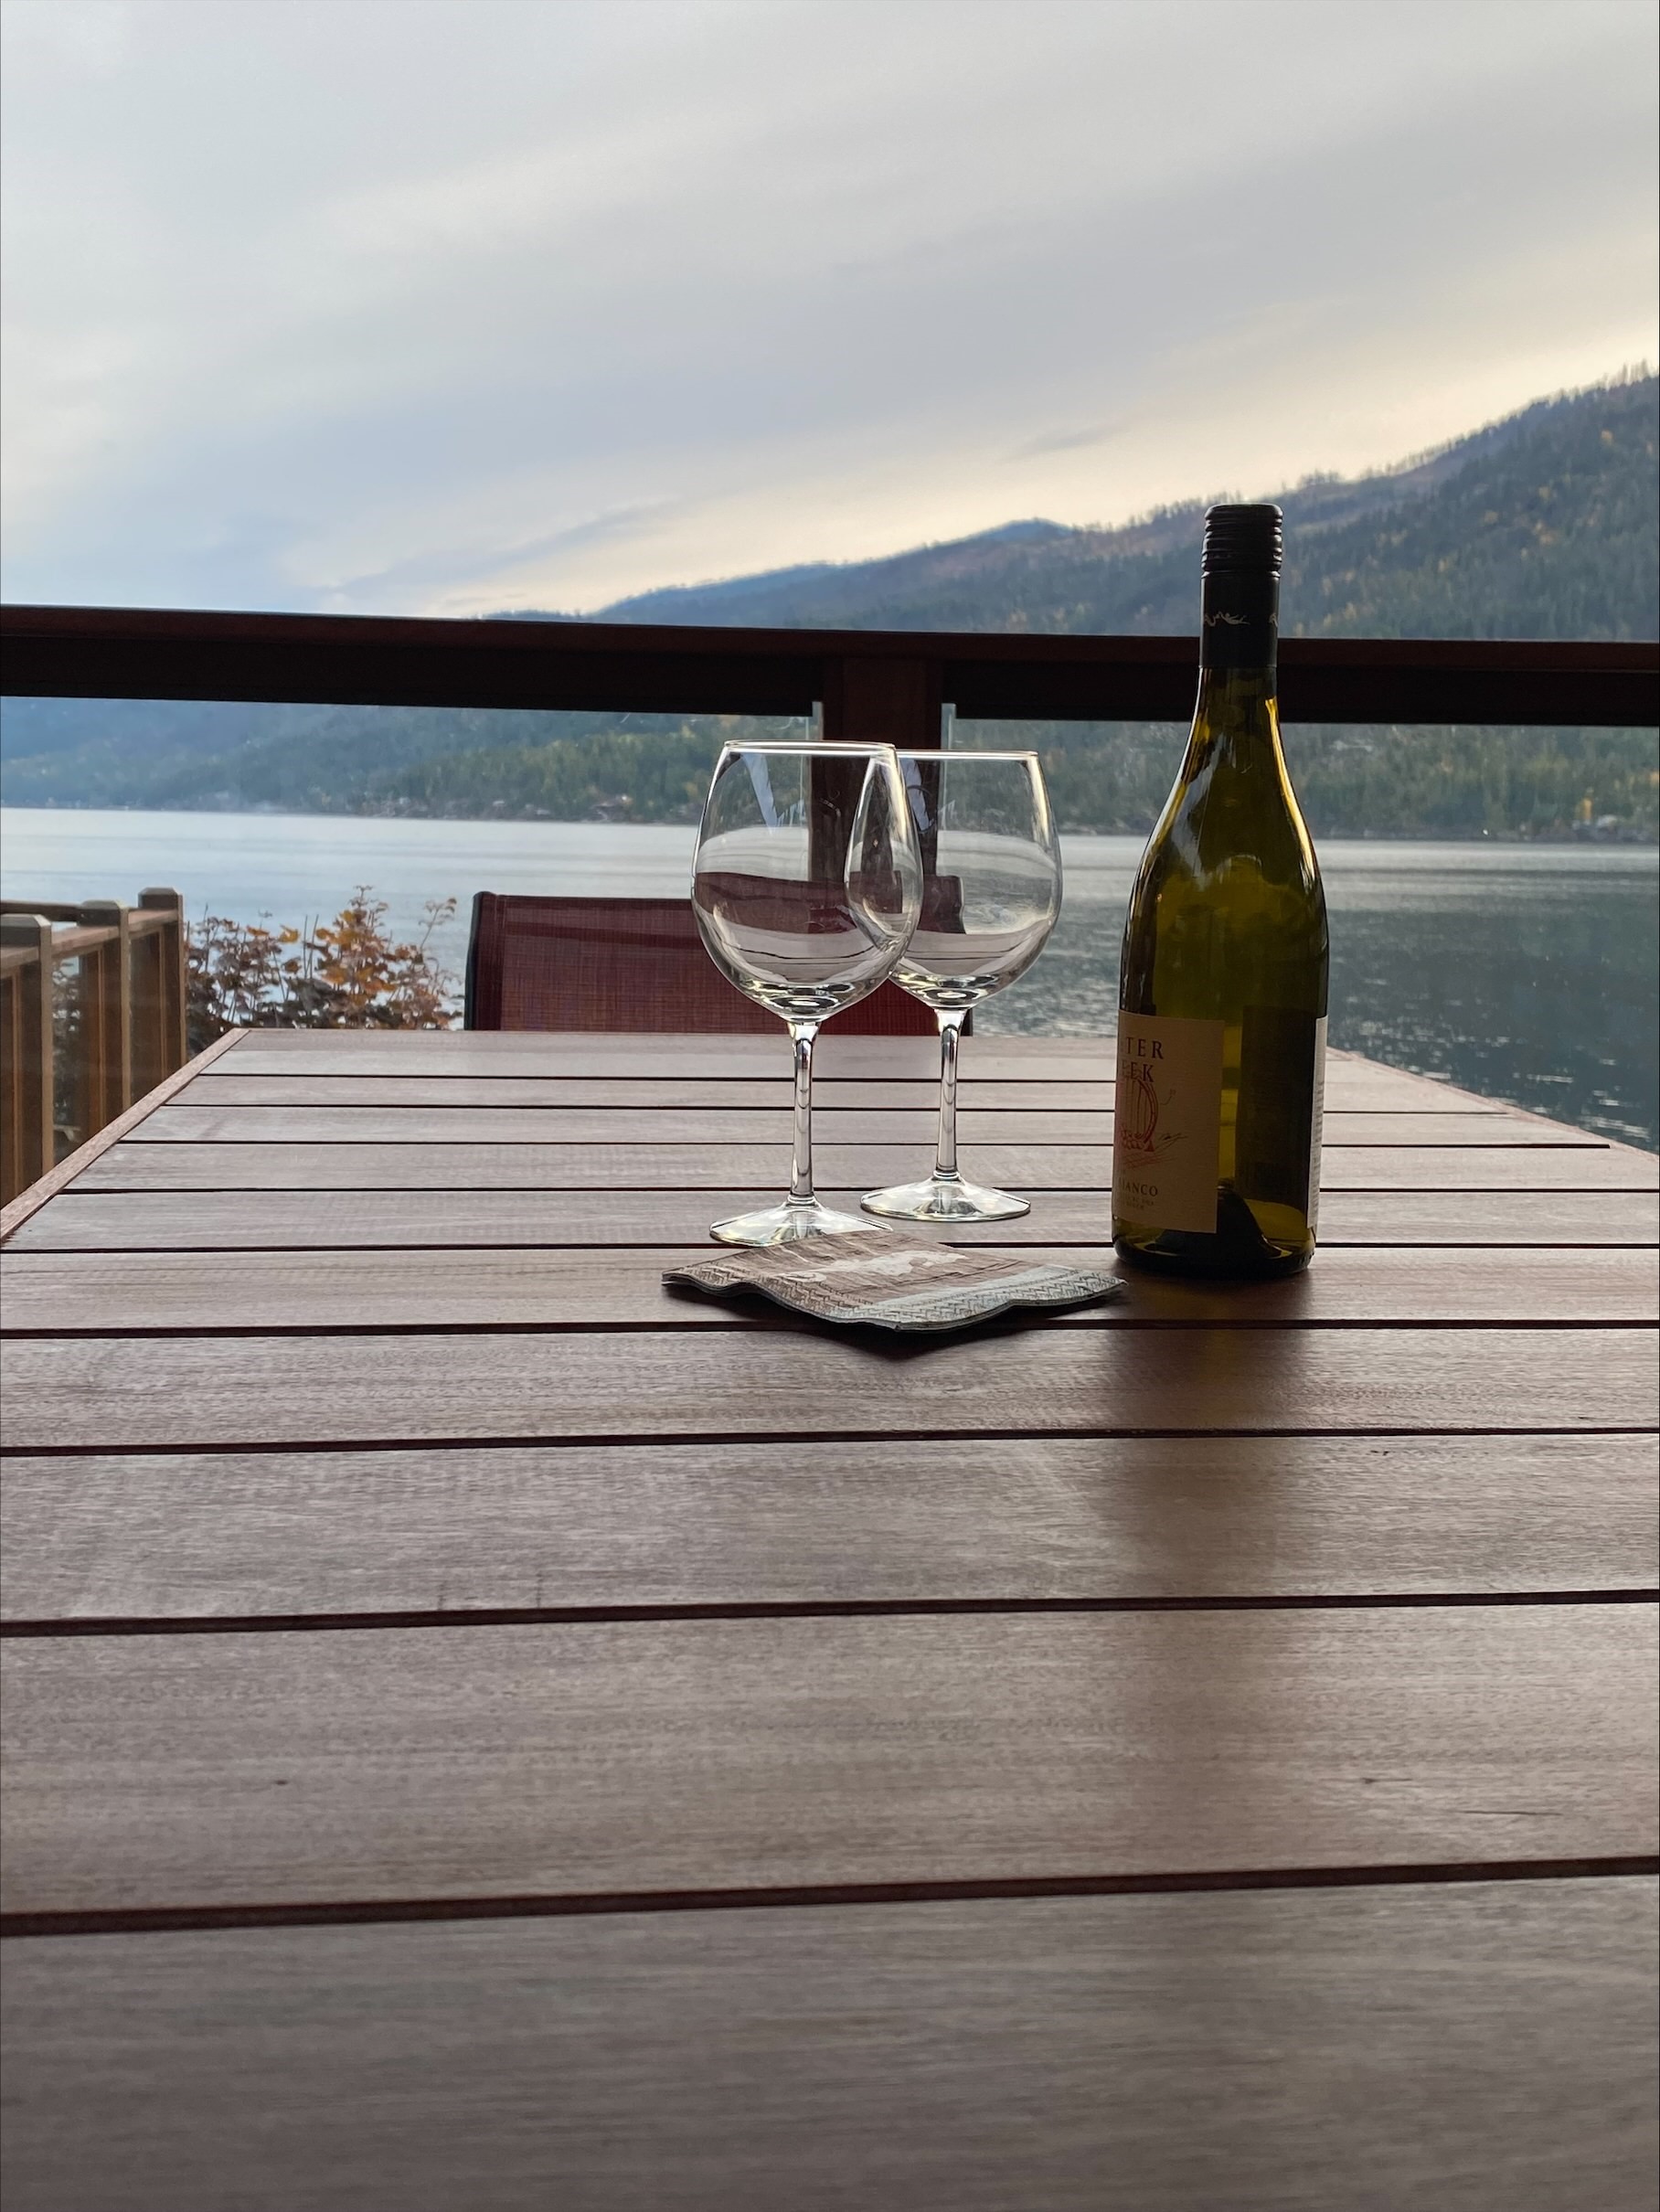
802,1034
945,1155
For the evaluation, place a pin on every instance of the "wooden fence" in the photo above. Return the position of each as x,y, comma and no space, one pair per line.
72,1059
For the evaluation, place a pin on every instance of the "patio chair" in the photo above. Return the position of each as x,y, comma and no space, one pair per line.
627,963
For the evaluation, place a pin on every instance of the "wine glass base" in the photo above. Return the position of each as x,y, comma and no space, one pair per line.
787,1223
945,1199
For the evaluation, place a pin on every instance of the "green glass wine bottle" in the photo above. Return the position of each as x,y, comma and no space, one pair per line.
1221,1026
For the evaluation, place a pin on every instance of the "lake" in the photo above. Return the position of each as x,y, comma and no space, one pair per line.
1527,973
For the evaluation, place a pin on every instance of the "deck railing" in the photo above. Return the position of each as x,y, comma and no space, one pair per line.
121,1021
869,682
880,683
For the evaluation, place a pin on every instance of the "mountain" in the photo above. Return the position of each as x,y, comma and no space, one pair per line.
854,595
1540,526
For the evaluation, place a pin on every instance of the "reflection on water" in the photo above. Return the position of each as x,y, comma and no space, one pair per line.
1528,973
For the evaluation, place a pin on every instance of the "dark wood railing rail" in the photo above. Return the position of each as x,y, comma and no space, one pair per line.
877,682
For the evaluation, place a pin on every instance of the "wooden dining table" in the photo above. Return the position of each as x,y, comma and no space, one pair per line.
484,1730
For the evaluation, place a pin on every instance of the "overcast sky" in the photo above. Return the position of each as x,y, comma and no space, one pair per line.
450,305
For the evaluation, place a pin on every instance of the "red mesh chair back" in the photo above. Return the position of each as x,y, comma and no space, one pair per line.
627,963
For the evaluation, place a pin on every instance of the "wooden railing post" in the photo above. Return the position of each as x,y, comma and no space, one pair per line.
105,1085
869,699
27,1145
874,699
159,1037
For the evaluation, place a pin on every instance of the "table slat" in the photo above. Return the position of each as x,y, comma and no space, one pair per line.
1351,1086
1128,2054
620,1056
723,1166
91,1393
238,1770
217,1293
309,1220
657,1126
1028,1519
654,1058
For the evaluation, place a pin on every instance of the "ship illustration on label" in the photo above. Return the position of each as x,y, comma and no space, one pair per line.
1167,1123
1139,1113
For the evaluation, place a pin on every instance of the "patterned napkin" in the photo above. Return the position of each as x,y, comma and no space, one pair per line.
877,1279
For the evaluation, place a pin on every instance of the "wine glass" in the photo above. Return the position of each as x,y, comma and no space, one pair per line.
990,893
806,888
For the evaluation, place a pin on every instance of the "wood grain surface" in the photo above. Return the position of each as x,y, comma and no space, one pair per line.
71,1293
654,1126
365,1221
99,1393
1352,1085
691,1124
381,1537
240,1770
217,1535
663,1058
1473,2047
720,1166
672,1064
681,1059
29,1201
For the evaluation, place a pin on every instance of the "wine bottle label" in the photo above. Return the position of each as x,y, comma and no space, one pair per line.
1168,1126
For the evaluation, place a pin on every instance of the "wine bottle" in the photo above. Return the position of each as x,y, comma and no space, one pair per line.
1221,1026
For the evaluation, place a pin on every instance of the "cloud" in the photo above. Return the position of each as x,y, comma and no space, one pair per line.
420,305
492,568
1070,441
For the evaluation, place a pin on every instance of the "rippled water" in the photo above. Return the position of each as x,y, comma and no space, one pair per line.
1528,973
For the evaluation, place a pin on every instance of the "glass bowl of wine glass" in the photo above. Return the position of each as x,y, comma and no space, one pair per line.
806,887
990,893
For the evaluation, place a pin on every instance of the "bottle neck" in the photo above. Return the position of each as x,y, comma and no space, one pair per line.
1238,637
1239,622
1235,702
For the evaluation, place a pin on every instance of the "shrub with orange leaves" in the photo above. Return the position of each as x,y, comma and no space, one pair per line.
344,974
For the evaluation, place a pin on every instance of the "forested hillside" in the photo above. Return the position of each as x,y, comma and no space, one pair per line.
1542,525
